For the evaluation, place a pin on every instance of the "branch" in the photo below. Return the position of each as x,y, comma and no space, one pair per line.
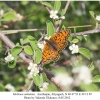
26,60
86,32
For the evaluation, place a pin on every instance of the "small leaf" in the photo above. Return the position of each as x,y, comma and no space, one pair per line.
28,50
17,44
57,22
16,50
85,37
91,66
63,12
25,41
74,40
9,16
88,87
63,27
21,41
79,37
52,87
33,42
31,38
85,52
50,28
44,77
96,78
36,80
92,14
24,2
37,56
57,5
2,87
12,64
41,80
47,4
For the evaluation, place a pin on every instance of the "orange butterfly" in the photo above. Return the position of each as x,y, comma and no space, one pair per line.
54,45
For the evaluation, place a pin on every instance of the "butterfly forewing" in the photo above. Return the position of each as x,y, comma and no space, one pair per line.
55,44
61,39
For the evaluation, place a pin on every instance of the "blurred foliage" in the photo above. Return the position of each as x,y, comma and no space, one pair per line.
76,15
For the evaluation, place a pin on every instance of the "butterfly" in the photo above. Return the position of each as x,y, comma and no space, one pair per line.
54,45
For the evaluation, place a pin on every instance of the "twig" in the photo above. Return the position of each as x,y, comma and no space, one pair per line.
66,7
86,32
13,22
30,86
45,7
23,30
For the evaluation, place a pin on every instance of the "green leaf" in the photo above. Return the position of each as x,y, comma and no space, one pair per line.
12,64
24,2
41,80
57,22
85,37
79,37
57,5
47,4
92,14
16,50
2,88
25,41
96,78
31,38
17,44
28,50
37,56
50,28
88,87
21,41
63,27
70,38
9,16
52,87
85,52
91,66
74,40
63,12
44,77
59,70
33,42
37,80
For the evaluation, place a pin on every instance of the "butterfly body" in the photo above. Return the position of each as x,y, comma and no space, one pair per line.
54,45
